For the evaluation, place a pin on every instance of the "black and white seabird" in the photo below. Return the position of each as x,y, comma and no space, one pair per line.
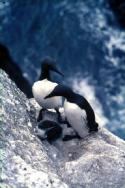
48,130
78,111
13,70
44,86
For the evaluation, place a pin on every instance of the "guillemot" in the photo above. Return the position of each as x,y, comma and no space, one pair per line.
78,111
44,86
48,130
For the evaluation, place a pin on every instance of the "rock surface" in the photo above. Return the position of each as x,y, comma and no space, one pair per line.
84,38
98,161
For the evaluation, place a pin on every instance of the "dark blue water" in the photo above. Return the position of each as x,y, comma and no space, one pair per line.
85,38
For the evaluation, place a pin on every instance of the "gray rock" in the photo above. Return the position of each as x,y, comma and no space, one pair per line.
97,161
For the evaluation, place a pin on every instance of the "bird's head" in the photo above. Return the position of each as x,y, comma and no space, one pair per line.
50,64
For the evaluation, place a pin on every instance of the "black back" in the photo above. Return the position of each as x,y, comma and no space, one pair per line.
84,104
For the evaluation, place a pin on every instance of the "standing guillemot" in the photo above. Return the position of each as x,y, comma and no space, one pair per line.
12,69
44,86
78,111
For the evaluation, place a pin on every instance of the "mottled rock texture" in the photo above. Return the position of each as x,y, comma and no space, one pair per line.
84,38
97,161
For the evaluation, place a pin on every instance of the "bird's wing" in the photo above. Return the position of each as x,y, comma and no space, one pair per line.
84,118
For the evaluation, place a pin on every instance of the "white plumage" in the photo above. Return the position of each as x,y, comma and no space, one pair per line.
77,118
43,88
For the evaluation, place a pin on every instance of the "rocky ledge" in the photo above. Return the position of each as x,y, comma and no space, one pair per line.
98,161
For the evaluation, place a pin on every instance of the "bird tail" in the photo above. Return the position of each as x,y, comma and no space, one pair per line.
96,125
94,128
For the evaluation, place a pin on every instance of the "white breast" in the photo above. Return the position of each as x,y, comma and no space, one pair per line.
43,88
77,118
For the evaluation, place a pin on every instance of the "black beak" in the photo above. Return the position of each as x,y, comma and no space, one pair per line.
57,71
